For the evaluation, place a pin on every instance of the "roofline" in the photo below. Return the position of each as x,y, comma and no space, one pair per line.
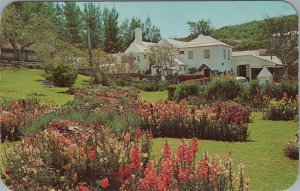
260,58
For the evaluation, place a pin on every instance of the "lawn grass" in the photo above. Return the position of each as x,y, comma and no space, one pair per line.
265,164
154,96
263,158
24,83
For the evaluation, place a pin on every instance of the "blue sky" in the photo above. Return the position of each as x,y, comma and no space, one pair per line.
171,17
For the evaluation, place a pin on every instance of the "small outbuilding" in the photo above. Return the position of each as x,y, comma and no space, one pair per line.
265,76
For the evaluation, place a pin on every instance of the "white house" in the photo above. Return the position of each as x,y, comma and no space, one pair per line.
207,55
204,52
249,64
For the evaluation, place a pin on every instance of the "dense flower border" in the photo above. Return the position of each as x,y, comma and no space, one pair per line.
67,156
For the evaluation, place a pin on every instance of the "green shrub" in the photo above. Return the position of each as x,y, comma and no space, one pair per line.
184,91
61,74
276,90
223,89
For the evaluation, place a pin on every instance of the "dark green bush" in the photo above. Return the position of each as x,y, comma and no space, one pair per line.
223,89
184,91
275,90
61,74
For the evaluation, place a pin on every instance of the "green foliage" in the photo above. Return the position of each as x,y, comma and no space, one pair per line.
73,23
111,30
246,36
21,29
62,74
223,89
184,91
93,22
276,90
200,27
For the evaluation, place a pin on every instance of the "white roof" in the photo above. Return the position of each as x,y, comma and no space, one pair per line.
175,42
138,47
255,53
179,62
201,40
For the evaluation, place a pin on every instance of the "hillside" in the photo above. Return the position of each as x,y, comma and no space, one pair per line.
246,36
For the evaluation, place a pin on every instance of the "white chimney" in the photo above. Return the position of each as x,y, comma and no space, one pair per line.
138,36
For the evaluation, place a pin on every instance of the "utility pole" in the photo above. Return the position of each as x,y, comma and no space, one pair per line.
90,45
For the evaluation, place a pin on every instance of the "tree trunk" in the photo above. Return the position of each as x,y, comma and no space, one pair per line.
15,49
285,72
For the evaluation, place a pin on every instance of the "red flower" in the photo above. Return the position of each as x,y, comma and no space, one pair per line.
137,133
104,183
92,155
82,187
8,170
135,158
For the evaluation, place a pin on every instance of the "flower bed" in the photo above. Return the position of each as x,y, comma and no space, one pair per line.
14,117
68,156
284,109
223,121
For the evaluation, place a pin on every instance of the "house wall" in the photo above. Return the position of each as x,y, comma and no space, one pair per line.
142,62
216,61
252,61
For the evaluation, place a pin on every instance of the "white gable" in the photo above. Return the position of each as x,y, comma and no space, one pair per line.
264,73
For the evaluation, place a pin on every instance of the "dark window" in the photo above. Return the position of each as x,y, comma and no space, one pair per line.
206,53
181,52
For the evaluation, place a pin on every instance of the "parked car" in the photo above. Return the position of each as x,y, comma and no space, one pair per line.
242,80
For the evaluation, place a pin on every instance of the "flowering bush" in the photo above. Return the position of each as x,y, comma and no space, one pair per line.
68,156
15,116
180,171
224,121
65,155
232,112
291,149
284,109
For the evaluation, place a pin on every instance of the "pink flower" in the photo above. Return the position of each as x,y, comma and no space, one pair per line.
104,183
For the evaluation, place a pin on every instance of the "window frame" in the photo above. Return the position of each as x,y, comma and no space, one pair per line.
190,55
206,53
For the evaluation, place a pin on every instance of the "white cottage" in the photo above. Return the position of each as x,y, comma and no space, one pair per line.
249,64
265,76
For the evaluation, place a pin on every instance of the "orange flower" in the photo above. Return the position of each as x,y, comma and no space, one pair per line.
104,183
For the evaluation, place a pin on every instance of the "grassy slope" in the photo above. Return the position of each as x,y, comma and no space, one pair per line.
247,35
153,96
263,158
22,83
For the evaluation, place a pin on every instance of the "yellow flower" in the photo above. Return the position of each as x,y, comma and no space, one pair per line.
145,155
62,178
75,176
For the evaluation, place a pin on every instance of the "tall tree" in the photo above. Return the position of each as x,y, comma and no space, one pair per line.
111,30
22,29
281,38
151,32
162,57
93,23
73,23
199,27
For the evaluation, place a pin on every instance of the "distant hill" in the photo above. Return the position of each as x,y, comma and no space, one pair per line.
247,36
